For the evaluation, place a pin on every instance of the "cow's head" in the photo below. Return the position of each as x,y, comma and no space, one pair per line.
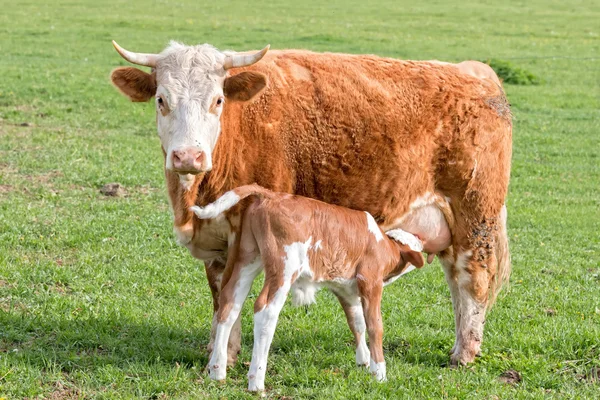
190,86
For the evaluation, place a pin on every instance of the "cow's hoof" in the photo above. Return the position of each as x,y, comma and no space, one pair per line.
231,360
462,358
232,356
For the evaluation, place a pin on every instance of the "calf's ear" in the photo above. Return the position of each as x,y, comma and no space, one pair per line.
134,83
244,86
413,257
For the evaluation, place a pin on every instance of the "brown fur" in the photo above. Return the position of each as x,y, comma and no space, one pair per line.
136,84
244,86
372,134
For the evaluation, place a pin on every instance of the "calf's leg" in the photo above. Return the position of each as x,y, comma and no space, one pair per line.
356,321
266,313
370,293
231,300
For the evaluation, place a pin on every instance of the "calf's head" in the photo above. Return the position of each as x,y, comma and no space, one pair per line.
190,85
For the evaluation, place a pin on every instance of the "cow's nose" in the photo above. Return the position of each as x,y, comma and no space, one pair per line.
188,161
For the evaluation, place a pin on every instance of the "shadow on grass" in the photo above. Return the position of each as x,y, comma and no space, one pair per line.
91,343
95,342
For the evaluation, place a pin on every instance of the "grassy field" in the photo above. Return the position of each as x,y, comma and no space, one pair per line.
97,301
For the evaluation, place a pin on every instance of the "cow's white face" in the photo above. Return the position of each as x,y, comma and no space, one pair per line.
190,86
189,101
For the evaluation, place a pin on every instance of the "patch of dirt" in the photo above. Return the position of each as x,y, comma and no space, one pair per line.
6,188
6,168
510,377
44,177
4,283
8,305
551,312
60,288
113,190
145,189
62,392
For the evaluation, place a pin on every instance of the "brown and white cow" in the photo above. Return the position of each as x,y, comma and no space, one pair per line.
368,133
302,245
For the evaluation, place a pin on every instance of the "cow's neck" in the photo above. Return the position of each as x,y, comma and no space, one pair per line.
189,190
183,193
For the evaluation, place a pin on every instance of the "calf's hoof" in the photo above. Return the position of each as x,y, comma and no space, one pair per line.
362,357
378,371
217,373
254,385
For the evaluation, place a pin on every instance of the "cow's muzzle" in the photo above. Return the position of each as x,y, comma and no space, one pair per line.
188,161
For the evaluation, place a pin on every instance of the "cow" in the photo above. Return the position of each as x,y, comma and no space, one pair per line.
381,135
302,245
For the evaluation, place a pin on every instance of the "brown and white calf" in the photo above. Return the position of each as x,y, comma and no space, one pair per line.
303,244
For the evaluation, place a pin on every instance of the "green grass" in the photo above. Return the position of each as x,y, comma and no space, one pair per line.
97,301
510,74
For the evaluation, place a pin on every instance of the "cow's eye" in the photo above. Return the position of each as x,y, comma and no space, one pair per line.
162,105
219,101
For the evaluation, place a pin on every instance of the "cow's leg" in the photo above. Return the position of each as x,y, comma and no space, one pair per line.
447,260
475,275
370,293
356,321
233,294
214,274
266,313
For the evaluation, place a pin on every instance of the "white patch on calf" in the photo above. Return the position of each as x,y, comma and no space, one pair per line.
265,321
362,350
303,292
378,370
296,260
406,238
373,227
215,209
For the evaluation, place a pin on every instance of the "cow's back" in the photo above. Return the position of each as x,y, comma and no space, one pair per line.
364,132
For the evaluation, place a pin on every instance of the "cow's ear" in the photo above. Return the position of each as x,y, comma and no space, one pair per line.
413,257
134,83
244,86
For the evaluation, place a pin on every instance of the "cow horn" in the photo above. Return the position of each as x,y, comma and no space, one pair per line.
243,60
148,60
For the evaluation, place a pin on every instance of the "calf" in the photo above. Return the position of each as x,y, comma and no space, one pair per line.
304,244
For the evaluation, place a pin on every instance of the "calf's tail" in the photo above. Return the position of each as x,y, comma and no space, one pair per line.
228,200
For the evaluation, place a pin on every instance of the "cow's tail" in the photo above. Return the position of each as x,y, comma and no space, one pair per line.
502,257
228,200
